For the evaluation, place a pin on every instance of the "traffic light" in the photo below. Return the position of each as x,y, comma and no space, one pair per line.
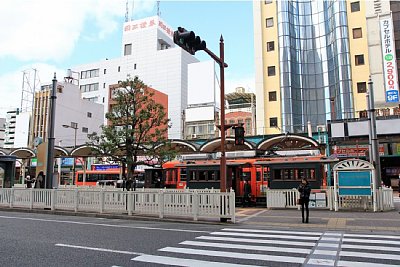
239,135
188,41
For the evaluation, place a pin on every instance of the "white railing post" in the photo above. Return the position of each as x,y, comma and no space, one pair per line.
76,202
53,199
12,198
129,202
232,206
102,199
31,198
195,205
161,203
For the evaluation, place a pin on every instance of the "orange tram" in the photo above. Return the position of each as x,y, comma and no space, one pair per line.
262,173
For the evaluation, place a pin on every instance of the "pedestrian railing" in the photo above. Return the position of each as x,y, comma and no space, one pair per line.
325,199
201,204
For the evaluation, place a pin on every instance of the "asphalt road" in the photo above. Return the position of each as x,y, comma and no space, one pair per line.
30,239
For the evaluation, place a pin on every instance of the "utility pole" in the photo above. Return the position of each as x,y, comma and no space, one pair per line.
374,157
50,143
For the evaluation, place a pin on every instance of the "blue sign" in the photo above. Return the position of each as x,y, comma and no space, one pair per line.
105,167
354,183
392,96
67,161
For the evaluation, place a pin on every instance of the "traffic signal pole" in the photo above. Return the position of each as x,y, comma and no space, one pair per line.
222,66
191,43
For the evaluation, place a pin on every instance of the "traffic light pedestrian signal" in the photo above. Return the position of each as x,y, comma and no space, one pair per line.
239,135
188,41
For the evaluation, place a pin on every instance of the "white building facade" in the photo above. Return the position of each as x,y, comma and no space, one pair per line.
148,51
9,132
2,131
75,117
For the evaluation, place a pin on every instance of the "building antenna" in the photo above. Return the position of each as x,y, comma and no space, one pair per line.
158,9
126,11
133,5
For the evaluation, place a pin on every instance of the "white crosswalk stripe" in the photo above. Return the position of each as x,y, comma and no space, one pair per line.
369,250
232,247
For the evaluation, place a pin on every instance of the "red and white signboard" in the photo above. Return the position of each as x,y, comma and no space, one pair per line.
136,25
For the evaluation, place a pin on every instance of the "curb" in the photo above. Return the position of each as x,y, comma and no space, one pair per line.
113,216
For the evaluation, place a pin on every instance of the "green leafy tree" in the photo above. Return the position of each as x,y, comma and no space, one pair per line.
136,133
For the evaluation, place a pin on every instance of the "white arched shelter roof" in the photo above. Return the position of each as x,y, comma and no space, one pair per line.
288,142
60,152
353,165
85,151
214,145
23,153
180,146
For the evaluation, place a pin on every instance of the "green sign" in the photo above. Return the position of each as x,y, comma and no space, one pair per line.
388,57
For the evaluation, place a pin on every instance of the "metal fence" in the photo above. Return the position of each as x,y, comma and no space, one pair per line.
197,204
324,198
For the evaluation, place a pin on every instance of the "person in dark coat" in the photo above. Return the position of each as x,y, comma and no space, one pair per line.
128,184
246,193
305,191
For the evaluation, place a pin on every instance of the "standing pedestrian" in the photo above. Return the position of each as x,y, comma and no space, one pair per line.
129,184
246,193
399,185
305,191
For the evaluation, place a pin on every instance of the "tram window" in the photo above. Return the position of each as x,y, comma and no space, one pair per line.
202,175
183,174
258,176
246,176
192,176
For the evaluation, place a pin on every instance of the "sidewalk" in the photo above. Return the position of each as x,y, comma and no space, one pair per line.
322,219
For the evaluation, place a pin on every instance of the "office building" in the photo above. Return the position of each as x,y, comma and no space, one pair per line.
147,51
314,59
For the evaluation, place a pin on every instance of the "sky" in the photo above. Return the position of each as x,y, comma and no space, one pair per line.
53,35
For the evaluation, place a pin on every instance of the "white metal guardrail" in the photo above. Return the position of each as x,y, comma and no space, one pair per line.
324,198
162,202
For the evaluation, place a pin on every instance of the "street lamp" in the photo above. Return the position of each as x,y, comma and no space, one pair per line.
74,126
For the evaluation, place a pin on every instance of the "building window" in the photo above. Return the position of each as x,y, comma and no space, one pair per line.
272,96
134,66
105,71
89,87
119,68
269,22
357,33
59,89
273,122
271,71
266,2
89,74
128,50
85,130
355,6
104,85
359,60
362,87
89,114
270,46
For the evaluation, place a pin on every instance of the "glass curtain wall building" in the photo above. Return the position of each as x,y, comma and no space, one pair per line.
311,62
315,74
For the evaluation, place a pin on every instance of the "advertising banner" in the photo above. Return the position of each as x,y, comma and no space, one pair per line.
391,86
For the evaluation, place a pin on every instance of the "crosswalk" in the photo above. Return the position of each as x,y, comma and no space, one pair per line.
233,247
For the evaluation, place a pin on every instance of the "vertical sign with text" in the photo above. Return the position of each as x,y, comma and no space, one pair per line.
389,61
